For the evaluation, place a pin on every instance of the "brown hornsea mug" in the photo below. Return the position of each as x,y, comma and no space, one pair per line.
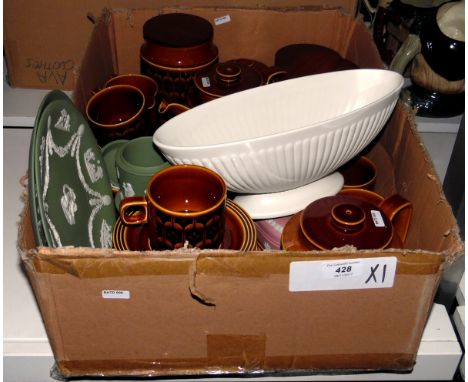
148,87
184,206
117,112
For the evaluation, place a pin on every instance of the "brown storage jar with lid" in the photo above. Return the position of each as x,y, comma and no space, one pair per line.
176,46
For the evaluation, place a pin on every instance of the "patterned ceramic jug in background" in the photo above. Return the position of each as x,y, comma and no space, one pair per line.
436,62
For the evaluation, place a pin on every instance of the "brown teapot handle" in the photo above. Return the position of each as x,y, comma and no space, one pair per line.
399,211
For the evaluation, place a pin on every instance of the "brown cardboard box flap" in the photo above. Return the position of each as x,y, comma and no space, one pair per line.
45,51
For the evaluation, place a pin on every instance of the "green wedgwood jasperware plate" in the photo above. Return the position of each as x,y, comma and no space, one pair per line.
38,228
73,188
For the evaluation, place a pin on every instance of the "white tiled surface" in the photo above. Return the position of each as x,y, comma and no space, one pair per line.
23,330
440,147
459,319
438,125
461,291
27,354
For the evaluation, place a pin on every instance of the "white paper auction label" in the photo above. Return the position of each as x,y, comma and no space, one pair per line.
122,294
377,218
206,82
367,273
222,20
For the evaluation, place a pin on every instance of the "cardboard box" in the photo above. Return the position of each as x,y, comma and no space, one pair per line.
44,40
226,312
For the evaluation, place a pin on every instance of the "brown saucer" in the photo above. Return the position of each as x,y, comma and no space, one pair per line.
292,238
240,233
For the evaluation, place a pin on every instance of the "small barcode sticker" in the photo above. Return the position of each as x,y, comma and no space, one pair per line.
118,294
222,20
377,218
206,82
366,273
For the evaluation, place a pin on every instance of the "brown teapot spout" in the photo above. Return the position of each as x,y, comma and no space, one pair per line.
174,107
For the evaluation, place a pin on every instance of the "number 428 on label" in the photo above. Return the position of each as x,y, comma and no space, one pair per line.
375,272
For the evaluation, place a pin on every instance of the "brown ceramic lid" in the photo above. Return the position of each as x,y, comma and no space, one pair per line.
319,56
340,220
228,77
307,59
344,64
177,30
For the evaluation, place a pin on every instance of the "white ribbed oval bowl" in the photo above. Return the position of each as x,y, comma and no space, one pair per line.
284,135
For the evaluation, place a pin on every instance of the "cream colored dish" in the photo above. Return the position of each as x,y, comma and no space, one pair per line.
284,135
284,203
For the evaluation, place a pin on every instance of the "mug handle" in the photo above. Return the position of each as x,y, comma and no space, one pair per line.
134,204
399,211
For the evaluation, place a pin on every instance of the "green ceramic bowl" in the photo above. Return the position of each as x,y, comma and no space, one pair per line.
108,153
136,162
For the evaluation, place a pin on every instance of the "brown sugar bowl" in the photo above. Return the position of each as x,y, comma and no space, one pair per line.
356,217
225,78
231,77
222,79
